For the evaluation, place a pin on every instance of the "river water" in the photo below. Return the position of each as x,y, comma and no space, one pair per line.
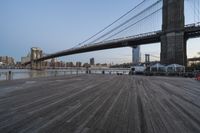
11,74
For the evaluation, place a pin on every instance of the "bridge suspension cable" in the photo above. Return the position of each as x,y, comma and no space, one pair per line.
132,24
196,10
127,21
111,23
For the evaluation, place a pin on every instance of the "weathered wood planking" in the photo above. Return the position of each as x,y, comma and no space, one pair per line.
100,104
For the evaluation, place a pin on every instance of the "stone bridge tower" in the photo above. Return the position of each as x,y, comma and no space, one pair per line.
173,43
36,53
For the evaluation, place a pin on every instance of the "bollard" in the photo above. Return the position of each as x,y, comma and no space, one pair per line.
55,72
103,72
198,77
87,70
77,71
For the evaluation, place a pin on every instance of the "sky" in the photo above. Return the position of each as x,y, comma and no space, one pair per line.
55,25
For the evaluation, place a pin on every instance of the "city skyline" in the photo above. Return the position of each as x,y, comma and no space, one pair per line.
57,25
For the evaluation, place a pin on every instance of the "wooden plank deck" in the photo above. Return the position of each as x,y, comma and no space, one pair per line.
100,104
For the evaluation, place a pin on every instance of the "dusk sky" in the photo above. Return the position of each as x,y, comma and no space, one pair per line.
55,25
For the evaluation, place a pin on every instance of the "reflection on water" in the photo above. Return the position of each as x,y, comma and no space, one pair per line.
9,74
23,73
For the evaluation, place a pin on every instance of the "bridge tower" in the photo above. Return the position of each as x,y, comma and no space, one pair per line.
173,43
36,53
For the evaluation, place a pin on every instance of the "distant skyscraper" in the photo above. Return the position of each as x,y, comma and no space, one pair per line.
136,59
92,61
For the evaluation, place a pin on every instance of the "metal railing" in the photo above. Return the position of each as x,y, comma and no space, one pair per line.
12,75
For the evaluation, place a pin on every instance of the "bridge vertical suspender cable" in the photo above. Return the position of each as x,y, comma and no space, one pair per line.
196,11
196,6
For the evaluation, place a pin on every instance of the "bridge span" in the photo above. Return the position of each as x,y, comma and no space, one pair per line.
191,31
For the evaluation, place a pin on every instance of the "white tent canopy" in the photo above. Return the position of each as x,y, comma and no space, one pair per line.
175,68
158,68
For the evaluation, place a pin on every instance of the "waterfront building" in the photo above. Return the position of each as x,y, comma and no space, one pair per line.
78,64
69,64
104,65
56,63
18,64
86,65
7,60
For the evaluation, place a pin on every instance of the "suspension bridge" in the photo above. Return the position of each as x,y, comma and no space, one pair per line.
114,104
151,21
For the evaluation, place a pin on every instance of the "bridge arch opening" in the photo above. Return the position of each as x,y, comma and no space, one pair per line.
153,50
193,49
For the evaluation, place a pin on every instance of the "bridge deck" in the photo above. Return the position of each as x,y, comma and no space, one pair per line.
100,104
